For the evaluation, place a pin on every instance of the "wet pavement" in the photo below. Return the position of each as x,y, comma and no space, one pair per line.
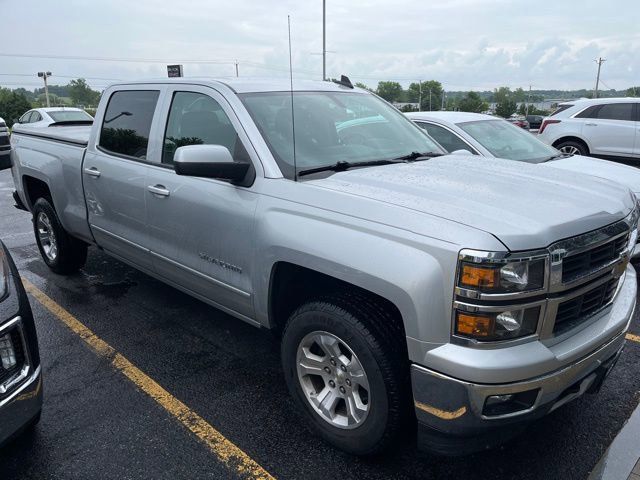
97,424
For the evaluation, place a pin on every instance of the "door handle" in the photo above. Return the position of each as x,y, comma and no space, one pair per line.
92,172
158,190
591,124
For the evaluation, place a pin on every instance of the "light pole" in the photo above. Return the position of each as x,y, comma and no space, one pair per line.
324,40
44,76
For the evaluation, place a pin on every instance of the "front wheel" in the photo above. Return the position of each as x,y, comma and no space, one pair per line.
346,366
61,252
571,147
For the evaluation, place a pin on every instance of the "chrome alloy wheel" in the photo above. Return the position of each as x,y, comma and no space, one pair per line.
47,237
570,150
333,380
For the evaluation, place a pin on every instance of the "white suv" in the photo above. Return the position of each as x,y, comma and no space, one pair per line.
603,127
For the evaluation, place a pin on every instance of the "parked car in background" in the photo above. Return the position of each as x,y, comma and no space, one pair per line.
406,285
44,117
493,137
20,373
519,122
534,121
5,145
602,127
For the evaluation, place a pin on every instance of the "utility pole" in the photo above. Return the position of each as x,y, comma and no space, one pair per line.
528,99
44,76
324,40
420,95
237,68
430,100
442,108
600,61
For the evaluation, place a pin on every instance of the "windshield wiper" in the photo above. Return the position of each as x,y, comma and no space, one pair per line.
417,155
342,165
556,156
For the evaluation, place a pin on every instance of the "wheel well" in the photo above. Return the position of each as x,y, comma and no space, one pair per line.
36,189
292,285
571,139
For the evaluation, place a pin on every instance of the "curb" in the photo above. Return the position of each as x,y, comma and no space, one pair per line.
621,461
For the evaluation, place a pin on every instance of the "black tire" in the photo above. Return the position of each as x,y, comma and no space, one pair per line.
379,343
570,145
71,253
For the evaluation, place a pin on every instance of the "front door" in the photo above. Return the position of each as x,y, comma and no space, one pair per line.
114,175
202,229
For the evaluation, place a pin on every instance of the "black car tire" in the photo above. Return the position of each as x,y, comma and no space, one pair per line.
378,341
71,252
581,148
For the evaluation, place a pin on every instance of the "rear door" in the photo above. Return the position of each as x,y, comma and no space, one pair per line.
201,229
610,128
114,173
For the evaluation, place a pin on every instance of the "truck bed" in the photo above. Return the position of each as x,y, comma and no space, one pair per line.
73,134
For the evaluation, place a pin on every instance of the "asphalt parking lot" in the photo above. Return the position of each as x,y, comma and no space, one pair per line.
104,420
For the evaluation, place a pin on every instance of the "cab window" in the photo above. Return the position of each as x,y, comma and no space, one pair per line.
127,122
450,141
197,119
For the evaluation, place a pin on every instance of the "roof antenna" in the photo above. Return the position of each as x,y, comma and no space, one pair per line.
293,123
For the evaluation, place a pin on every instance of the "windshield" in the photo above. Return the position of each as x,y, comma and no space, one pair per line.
332,127
505,140
70,116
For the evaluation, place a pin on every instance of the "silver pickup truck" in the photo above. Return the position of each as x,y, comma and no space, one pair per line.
407,286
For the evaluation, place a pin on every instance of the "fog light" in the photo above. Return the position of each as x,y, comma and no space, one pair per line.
7,353
509,403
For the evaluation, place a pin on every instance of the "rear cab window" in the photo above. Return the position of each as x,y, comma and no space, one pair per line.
127,123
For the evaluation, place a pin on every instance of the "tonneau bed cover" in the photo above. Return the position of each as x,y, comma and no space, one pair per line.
72,134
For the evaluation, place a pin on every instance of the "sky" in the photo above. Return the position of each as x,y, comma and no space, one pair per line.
465,44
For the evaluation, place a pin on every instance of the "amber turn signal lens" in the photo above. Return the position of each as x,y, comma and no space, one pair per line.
479,277
474,325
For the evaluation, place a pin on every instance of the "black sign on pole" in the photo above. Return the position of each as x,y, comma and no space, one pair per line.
174,71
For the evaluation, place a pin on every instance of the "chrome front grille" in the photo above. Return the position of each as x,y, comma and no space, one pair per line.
583,263
572,313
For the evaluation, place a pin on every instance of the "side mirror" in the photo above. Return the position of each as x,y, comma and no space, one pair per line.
211,161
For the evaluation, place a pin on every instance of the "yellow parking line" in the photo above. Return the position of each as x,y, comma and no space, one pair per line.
633,338
232,456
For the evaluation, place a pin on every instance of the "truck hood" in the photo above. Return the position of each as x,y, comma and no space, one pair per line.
524,206
616,172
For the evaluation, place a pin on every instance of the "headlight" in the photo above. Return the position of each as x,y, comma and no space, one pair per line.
498,278
4,274
495,326
502,276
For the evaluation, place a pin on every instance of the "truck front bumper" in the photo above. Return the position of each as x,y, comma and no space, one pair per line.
457,417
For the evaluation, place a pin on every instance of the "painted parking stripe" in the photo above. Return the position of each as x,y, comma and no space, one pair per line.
227,452
633,338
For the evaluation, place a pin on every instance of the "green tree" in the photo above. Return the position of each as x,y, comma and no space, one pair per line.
362,85
472,102
431,98
390,91
505,102
82,94
633,92
12,105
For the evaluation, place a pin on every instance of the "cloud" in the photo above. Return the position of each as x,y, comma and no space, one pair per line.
466,44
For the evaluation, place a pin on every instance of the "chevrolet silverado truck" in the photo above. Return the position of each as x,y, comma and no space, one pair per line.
407,287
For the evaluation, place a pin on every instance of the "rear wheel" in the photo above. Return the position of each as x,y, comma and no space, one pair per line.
571,147
61,252
345,364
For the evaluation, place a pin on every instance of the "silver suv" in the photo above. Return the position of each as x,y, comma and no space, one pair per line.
603,127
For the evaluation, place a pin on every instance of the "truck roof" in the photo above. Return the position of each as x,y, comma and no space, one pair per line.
250,84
